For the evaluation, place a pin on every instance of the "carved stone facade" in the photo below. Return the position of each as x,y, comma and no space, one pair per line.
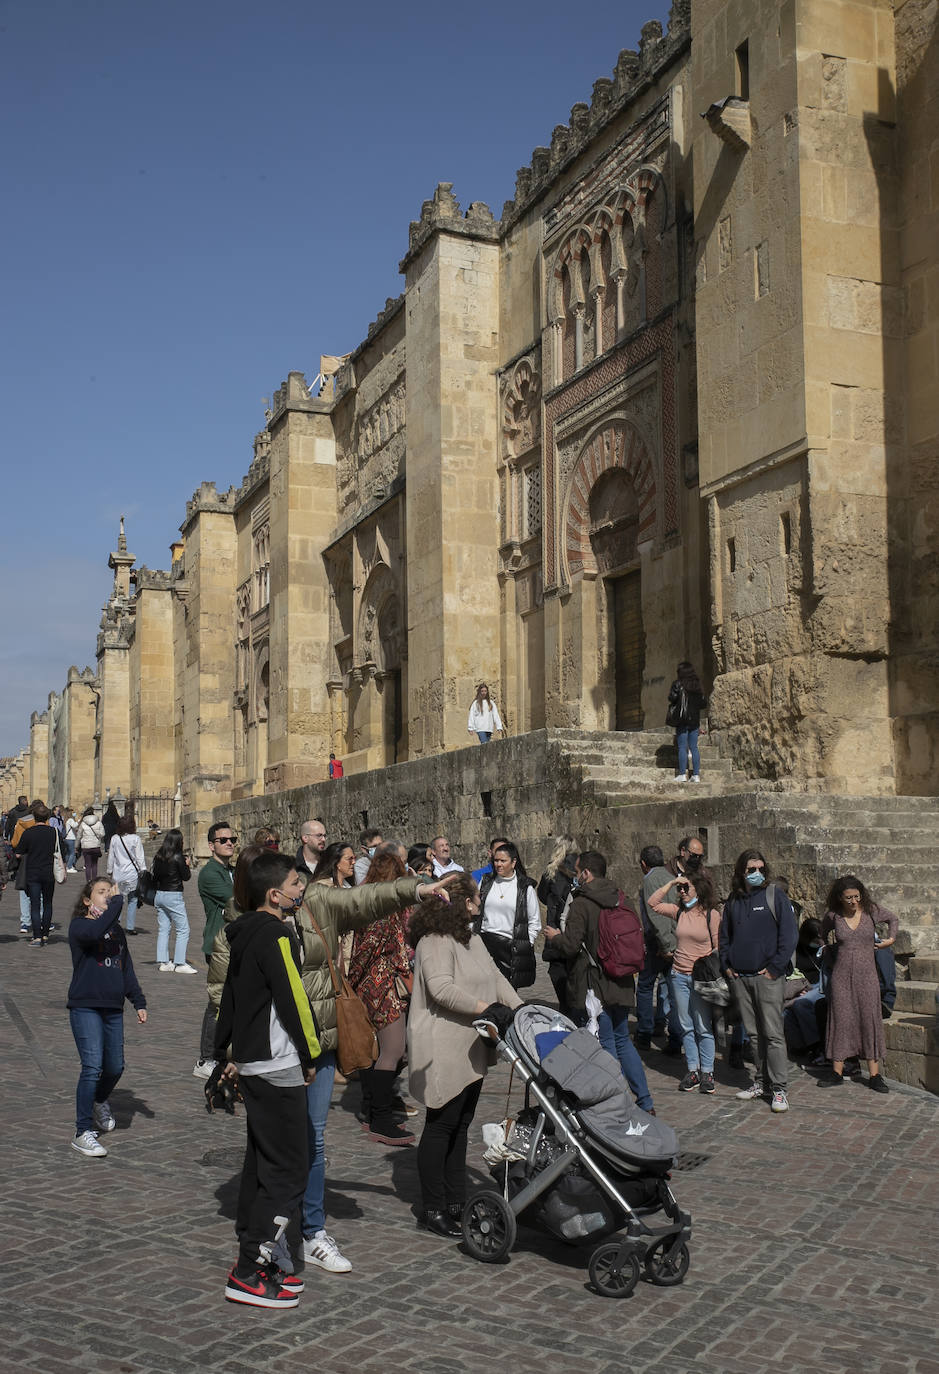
680,400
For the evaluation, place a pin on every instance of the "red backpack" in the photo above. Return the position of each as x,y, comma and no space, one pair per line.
621,947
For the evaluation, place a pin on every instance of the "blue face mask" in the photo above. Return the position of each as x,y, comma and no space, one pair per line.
756,879
575,884
689,902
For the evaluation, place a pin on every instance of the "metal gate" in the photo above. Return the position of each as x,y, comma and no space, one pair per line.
161,809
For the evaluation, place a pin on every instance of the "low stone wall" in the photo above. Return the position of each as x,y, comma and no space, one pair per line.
523,787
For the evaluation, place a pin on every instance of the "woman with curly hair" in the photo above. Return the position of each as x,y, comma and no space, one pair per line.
455,980
380,972
855,1023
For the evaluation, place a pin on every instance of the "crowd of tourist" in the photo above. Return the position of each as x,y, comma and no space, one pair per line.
426,948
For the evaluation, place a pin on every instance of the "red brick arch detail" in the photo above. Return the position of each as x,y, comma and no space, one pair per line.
616,444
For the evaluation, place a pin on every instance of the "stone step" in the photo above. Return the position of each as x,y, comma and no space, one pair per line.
613,774
925,968
912,1034
918,998
871,855
875,836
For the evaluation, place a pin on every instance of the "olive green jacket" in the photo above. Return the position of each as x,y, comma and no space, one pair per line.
336,909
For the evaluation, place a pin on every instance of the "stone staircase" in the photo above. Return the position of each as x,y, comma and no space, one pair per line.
892,843
618,767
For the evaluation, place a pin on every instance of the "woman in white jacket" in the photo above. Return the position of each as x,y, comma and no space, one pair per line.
125,864
90,839
483,715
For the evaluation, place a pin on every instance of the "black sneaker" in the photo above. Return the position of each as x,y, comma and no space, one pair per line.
707,1083
691,1080
260,1290
642,1041
876,1081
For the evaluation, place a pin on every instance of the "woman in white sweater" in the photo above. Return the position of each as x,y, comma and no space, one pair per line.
483,715
454,981
125,864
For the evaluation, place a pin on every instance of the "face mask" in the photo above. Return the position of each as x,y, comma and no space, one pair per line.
371,851
693,861
575,884
756,878
689,902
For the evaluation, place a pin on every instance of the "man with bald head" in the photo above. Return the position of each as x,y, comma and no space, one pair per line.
312,844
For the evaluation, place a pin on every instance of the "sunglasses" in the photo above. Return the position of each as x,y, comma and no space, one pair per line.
682,887
225,839
756,868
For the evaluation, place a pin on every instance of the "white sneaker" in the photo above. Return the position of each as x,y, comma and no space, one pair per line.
103,1116
185,968
321,1249
696,777
780,1101
749,1094
680,777
71,870
204,1069
87,1144
167,968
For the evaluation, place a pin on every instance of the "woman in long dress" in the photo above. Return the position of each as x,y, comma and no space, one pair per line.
855,1021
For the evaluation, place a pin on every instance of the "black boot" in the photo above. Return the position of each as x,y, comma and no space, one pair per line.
383,1128
364,1113
440,1224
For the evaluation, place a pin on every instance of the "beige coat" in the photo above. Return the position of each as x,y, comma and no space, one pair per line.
445,1054
337,909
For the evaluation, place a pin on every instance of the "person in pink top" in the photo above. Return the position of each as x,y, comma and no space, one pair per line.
698,921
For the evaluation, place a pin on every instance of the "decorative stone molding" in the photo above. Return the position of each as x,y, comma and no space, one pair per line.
730,120
617,444
521,407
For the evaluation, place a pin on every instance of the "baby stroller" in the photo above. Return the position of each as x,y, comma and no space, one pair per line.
582,1160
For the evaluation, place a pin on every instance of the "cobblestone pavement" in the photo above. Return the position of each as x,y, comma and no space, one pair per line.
815,1244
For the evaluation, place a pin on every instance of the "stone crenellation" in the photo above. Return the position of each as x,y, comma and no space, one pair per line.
442,211
634,73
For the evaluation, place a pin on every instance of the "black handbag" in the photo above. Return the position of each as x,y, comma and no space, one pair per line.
146,887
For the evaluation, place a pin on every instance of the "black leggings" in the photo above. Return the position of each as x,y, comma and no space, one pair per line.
441,1154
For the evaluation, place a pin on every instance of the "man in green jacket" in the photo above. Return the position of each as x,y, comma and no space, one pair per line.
215,889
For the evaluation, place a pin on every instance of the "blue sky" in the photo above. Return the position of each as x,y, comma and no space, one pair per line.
200,197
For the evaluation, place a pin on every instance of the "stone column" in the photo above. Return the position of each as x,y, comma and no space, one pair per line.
303,514
452,303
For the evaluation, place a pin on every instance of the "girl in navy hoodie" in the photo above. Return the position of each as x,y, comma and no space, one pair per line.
102,976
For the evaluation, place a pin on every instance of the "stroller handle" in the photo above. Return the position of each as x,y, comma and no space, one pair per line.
486,1029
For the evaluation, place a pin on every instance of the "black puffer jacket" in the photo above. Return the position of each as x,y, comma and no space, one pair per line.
554,892
514,958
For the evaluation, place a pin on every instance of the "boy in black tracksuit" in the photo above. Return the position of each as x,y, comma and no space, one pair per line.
266,1018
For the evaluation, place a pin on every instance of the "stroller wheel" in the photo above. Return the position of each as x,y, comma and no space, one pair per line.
614,1271
665,1266
489,1228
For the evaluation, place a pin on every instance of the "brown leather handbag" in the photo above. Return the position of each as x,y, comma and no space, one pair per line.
358,1043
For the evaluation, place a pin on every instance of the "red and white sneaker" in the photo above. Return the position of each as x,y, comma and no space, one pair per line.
260,1290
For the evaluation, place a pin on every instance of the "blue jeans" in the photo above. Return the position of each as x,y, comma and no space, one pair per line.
171,909
484,736
696,1018
70,852
613,1034
887,973
649,1016
318,1094
99,1036
687,742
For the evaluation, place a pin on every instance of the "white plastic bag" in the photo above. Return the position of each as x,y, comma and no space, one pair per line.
594,1007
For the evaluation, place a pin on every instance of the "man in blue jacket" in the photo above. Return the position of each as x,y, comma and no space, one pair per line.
266,1018
757,940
